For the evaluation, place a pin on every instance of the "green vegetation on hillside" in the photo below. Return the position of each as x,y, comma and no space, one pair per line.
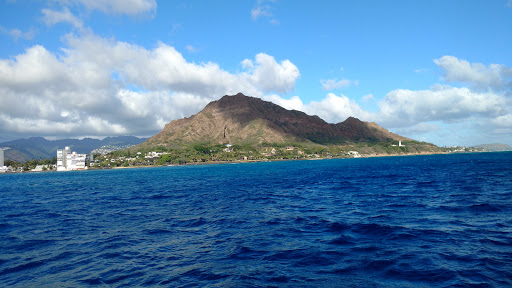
208,153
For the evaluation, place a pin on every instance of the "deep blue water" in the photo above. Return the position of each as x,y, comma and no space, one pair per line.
417,221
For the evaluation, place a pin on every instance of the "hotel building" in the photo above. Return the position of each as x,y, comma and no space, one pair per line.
67,160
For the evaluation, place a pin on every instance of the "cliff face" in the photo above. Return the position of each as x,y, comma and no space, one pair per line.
241,119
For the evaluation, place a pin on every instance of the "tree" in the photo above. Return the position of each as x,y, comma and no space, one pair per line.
166,158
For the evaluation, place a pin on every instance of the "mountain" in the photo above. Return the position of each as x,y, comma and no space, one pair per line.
241,119
496,147
22,150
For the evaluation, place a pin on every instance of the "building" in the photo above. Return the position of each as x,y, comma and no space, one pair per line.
67,160
41,168
355,154
1,157
3,169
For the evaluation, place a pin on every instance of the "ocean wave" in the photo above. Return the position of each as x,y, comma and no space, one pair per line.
338,223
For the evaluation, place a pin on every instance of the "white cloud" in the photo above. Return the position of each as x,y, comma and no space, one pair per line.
421,70
495,76
333,84
420,128
293,103
247,63
443,114
104,87
441,103
264,10
270,76
52,17
18,34
259,11
501,125
503,121
129,7
190,49
335,109
368,98
332,108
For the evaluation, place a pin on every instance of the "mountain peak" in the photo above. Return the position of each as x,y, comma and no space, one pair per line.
238,99
239,96
351,119
240,119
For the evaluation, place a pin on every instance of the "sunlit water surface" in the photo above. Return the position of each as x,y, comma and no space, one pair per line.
418,221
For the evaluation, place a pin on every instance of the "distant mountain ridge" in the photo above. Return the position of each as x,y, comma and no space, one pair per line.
241,119
22,150
495,147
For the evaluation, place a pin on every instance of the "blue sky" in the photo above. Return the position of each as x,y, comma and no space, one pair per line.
435,71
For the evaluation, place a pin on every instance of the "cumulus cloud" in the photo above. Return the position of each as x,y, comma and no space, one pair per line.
294,103
103,87
337,108
501,125
484,107
52,17
332,108
98,86
272,76
404,107
494,76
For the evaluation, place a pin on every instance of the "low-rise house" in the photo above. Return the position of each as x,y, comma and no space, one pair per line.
41,168
355,154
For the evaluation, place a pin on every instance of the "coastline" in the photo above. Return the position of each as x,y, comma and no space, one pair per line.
278,160
256,161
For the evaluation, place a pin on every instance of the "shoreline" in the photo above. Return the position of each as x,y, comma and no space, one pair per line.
278,160
256,161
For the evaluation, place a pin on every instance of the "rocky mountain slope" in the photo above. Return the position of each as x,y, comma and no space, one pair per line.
241,119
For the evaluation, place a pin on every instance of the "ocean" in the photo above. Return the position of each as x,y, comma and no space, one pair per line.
412,221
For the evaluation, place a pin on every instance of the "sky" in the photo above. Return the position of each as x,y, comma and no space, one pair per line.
432,70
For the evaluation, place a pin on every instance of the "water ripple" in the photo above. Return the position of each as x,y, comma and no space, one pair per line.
425,221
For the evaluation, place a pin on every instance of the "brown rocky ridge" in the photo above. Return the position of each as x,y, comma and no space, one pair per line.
241,119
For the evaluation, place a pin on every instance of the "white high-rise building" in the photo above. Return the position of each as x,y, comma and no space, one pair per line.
2,164
67,160
1,157
3,168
